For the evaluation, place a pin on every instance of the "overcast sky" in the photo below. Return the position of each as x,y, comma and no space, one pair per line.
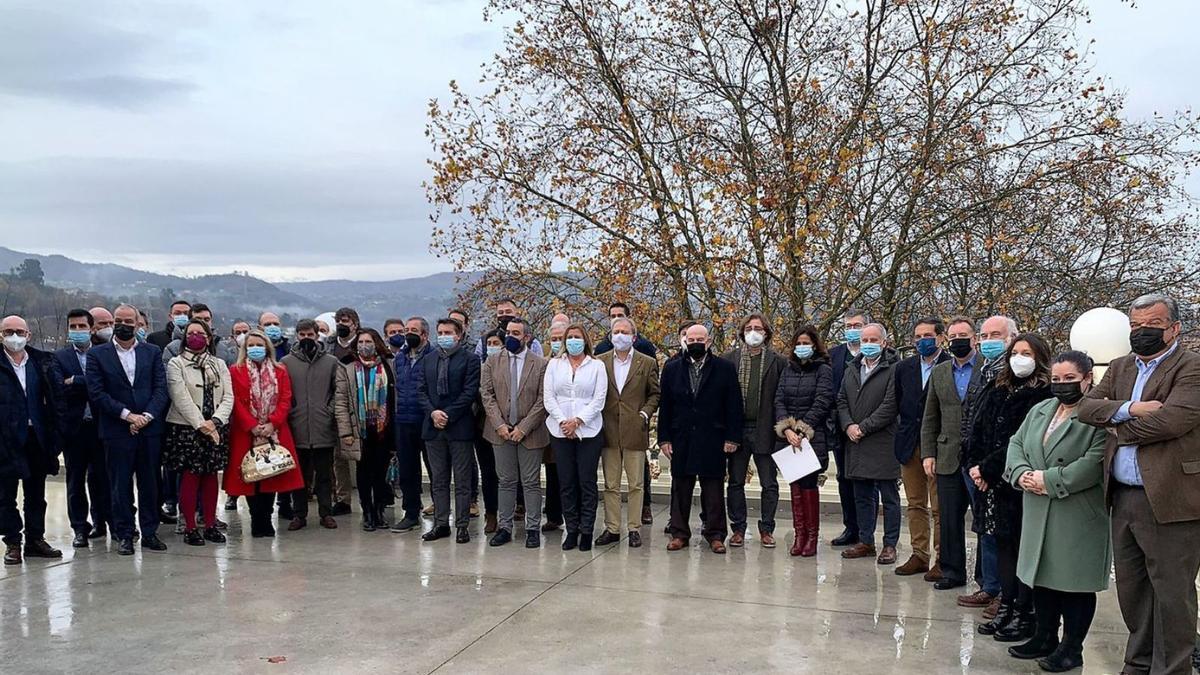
286,138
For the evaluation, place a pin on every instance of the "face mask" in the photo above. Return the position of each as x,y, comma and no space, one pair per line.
80,338
696,350
1022,366
256,353
871,349
622,342
853,334
396,340
493,350
141,334
308,346
1147,341
502,322
366,349
513,344
960,347
447,341
927,346
124,332
273,333
343,331
15,343
105,334
240,339
180,320
803,351
323,335
574,346
556,347
754,338
992,348
412,340
196,342
1068,393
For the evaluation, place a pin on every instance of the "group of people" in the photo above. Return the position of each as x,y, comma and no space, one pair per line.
1064,473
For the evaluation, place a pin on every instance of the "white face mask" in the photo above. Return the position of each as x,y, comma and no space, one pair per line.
754,338
240,339
105,333
1022,366
15,343
622,342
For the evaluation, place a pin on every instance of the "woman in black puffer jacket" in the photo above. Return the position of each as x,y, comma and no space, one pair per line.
1023,382
802,403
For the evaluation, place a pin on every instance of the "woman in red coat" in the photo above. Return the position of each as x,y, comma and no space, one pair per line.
262,394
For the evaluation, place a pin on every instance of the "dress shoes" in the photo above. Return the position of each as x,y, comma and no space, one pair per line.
945,584
647,517
887,556
80,540
976,599
463,536
993,608
12,554
934,573
635,539
124,547
533,539
859,550
406,524
328,523
676,544
585,541
716,546
297,523
914,565
607,538
846,538
738,540
38,548
214,535
570,541
766,539
153,543
193,538
501,538
438,532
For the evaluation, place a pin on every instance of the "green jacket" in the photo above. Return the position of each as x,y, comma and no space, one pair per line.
1065,542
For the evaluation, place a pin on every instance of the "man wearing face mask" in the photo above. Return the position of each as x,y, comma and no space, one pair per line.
127,387
619,310
269,324
758,369
313,373
345,329
506,310
920,489
840,357
217,348
177,319
1148,401
143,326
410,447
102,322
700,423
30,440
87,474
941,445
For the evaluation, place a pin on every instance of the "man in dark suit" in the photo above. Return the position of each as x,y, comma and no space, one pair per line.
446,392
1150,403
920,489
699,424
31,412
180,314
127,386
87,474
941,443
853,321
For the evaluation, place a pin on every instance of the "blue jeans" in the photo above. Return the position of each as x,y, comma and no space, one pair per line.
986,550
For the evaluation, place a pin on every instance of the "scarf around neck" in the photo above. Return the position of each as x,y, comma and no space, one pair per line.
264,391
372,384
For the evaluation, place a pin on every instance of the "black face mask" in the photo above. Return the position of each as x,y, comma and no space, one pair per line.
960,347
1147,341
696,350
343,331
502,322
308,346
124,332
1069,393
412,340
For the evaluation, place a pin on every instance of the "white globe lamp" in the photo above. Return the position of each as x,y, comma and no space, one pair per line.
1103,334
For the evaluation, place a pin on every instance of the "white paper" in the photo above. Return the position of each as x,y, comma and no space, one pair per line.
796,463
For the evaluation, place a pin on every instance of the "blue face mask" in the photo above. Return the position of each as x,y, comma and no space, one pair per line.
927,346
493,350
513,344
180,320
141,334
871,349
853,334
79,338
274,333
803,351
396,340
256,353
992,348
446,341
556,347
574,346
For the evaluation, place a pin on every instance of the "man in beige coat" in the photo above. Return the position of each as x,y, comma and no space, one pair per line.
1150,403
633,391
510,385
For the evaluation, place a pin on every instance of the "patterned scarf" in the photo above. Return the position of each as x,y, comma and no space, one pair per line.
744,372
372,397
264,391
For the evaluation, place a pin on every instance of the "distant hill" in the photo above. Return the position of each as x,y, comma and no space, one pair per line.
377,301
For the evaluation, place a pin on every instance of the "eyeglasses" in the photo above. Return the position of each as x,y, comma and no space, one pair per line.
19,332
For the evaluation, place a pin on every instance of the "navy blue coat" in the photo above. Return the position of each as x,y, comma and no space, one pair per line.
408,384
110,392
15,418
910,397
75,395
457,401
836,439
697,427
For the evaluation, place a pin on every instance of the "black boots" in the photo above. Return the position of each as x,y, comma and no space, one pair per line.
1020,627
1068,656
1003,618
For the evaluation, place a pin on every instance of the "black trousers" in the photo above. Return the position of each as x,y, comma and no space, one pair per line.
646,486
1075,610
371,474
316,465
953,502
87,479
577,461
845,486
138,458
1013,589
553,495
712,505
485,472
34,504
410,448
262,506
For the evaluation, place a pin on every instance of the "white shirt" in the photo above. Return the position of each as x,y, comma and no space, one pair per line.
569,394
520,358
128,359
19,367
621,369
868,367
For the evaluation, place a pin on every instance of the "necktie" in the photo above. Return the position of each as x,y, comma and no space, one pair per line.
513,384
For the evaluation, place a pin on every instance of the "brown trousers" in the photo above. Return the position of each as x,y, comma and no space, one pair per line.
920,491
1156,567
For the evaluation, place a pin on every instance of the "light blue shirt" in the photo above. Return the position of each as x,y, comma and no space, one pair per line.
962,375
1125,465
927,369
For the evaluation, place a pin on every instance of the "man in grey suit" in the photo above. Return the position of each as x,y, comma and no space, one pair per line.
941,429
511,389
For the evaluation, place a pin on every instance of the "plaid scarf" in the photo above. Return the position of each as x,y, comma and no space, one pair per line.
744,371
372,397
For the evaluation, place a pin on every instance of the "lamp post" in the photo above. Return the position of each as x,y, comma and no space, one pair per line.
1103,334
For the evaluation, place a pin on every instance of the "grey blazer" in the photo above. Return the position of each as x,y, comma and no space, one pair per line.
941,427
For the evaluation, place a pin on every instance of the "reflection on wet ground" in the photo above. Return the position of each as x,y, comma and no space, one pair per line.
350,601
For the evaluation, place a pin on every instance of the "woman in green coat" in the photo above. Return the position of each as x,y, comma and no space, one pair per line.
1065,555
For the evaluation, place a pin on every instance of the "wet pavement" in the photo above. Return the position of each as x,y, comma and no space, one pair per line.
351,601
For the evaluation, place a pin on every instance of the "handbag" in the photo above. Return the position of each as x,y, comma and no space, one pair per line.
266,460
